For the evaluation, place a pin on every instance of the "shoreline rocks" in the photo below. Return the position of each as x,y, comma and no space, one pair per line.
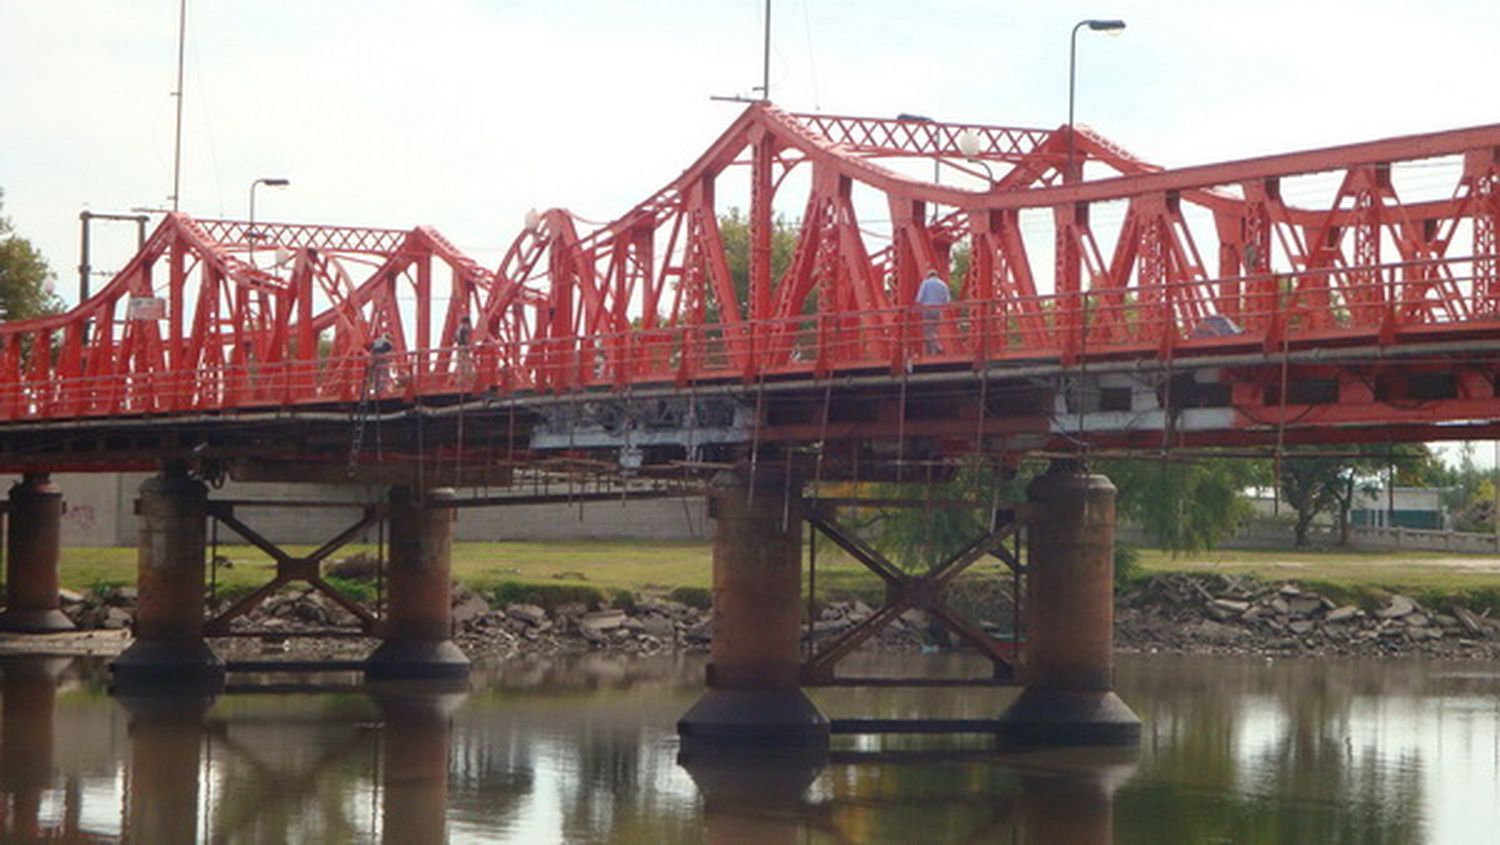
1170,613
1219,614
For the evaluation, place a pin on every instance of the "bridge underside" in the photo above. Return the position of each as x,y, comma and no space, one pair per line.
856,426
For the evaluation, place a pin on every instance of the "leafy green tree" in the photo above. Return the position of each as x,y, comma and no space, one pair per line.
734,233
1307,486
23,277
917,538
1468,492
1314,483
1185,506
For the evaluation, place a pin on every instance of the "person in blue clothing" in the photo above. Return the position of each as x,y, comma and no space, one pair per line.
932,300
380,362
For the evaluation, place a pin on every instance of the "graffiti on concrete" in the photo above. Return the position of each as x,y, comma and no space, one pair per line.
81,517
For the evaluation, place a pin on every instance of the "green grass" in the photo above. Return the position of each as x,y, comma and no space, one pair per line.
1433,577
514,569
567,570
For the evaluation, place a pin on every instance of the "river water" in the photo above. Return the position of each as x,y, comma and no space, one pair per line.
584,750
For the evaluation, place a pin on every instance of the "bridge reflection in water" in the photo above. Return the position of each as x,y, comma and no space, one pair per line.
584,750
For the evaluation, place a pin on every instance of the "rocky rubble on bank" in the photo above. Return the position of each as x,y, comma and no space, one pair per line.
1176,613
1219,614
109,609
298,619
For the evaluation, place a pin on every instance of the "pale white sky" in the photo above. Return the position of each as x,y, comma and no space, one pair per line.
462,114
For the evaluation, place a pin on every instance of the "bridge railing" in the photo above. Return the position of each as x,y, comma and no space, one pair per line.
1381,304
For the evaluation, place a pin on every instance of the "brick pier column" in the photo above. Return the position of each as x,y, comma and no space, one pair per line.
1068,668
753,697
169,649
418,629
33,549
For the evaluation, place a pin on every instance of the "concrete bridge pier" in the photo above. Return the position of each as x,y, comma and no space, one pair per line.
169,649
33,549
1068,670
418,642
753,698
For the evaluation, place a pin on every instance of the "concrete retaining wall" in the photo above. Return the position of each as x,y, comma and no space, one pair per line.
1272,534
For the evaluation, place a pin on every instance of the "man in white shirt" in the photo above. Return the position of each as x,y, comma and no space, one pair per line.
932,298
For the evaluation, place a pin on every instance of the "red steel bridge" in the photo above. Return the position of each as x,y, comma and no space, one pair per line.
1341,295
1136,308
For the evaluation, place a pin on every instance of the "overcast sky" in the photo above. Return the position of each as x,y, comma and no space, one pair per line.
463,115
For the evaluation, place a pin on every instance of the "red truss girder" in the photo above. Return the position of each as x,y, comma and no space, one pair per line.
286,314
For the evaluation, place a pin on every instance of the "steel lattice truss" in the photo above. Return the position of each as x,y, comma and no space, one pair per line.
1165,267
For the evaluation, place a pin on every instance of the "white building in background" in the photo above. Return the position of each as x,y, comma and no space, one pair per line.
1403,507
1411,507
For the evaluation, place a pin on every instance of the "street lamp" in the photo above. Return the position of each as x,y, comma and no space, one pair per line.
250,234
937,174
269,182
1113,27
971,145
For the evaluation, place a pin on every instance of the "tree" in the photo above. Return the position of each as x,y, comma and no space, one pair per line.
1185,505
918,538
23,277
1313,483
734,234
1468,492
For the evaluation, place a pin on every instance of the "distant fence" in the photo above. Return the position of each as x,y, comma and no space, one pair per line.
1279,534
1419,539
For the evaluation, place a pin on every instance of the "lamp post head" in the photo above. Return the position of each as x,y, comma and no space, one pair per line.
1113,27
273,182
969,143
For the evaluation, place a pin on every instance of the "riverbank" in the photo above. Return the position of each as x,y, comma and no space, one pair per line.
1194,613
1178,613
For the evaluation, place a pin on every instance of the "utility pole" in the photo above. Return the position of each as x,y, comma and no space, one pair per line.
177,146
765,59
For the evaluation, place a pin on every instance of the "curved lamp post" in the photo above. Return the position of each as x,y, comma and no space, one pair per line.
1113,27
250,234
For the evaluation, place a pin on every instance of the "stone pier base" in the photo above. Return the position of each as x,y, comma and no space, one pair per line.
169,650
1069,661
418,641
754,700
33,552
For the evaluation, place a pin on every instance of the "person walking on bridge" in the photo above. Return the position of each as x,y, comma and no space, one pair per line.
932,299
380,362
461,338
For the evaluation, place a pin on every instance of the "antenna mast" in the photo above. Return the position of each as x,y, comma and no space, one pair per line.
177,145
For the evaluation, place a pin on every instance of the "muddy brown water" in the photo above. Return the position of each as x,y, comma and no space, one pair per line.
583,750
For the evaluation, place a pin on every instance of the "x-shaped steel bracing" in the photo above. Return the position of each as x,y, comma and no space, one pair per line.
925,592
289,569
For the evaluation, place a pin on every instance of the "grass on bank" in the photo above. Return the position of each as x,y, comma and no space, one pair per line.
548,572
563,570
1431,577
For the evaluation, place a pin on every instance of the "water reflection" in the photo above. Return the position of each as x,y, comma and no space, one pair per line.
166,740
26,749
584,751
414,761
